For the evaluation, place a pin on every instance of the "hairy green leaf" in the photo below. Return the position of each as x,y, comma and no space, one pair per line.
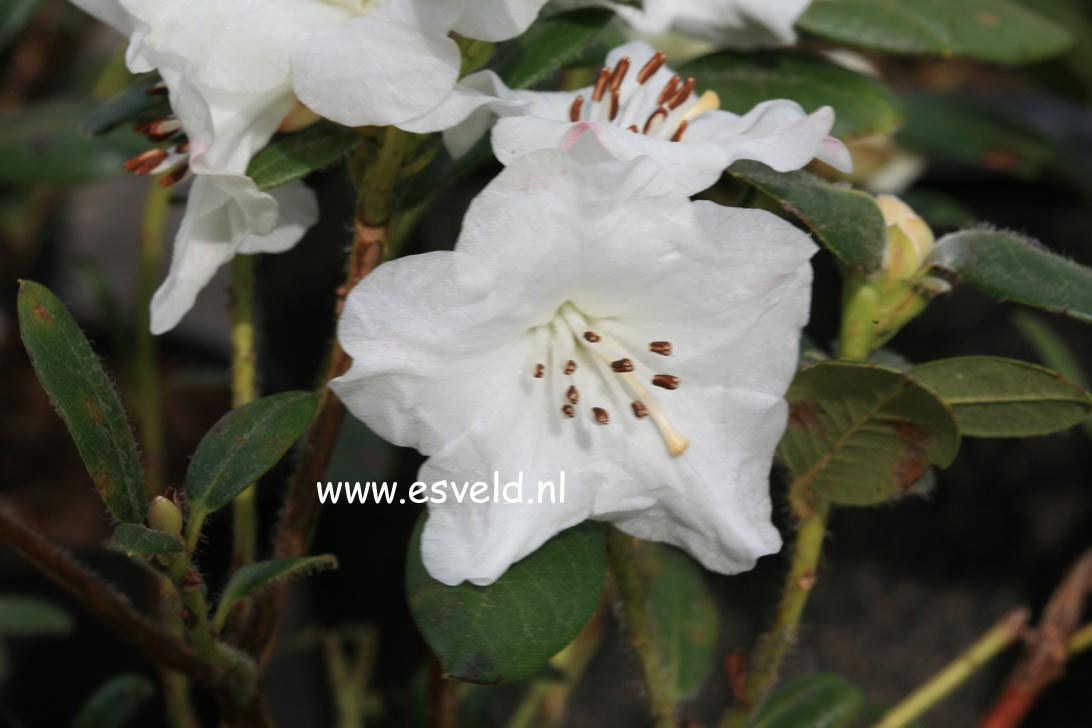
996,397
992,30
861,434
509,629
252,578
242,447
297,155
1009,266
85,398
845,220
862,104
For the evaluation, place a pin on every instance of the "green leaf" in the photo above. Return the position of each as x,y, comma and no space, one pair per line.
861,434
130,105
24,616
996,397
684,617
990,30
509,629
1008,266
815,701
43,145
862,104
250,579
242,447
84,397
140,540
115,702
845,220
547,46
320,145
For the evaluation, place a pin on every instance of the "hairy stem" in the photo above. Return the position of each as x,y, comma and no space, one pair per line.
101,599
149,409
244,390
632,597
765,666
1003,634
373,212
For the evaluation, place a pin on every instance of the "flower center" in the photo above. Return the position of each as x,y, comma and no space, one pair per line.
173,159
585,367
664,116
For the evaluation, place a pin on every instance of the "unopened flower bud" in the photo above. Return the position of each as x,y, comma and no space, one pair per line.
164,515
909,238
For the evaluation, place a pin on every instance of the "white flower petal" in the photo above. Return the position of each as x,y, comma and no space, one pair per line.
298,210
497,19
728,23
375,69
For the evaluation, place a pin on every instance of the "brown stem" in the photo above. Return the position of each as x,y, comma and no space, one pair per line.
443,698
1047,648
101,599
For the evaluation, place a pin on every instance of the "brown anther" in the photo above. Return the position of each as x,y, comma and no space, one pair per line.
175,175
639,409
683,94
145,162
667,381
615,104
161,129
192,578
660,113
663,348
141,127
651,67
678,135
622,365
633,128
601,85
601,415
573,395
160,89
568,411
182,147
540,370
668,91
570,366
619,74
576,109
591,336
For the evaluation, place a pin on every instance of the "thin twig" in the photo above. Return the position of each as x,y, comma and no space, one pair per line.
955,673
244,390
101,599
1047,648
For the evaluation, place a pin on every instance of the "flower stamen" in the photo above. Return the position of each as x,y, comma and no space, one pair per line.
601,415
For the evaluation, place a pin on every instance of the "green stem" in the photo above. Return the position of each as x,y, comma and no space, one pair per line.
176,686
244,390
1003,634
1080,641
196,618
145,369
633,605
765,666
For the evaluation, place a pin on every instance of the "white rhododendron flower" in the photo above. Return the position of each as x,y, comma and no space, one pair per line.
638,107
595,321
731,23
234,69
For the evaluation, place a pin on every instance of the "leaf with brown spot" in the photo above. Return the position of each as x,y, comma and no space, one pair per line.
85,399
873,432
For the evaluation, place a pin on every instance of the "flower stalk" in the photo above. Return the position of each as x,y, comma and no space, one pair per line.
632,601
244,390
1003,634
